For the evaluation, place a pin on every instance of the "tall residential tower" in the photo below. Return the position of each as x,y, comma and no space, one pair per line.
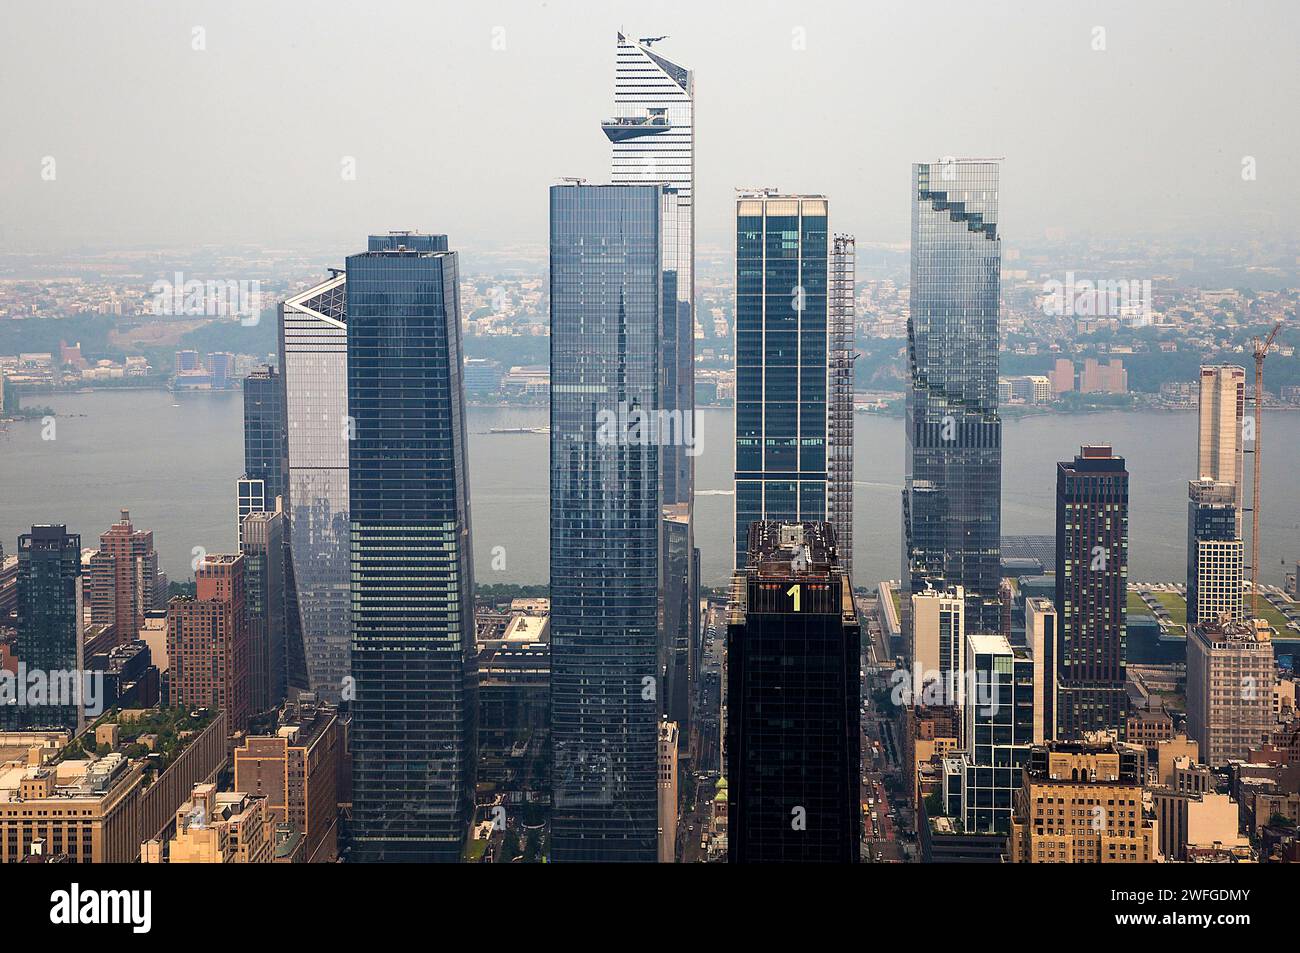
952,493
1091,592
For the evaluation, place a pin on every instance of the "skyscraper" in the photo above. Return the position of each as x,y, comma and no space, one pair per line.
652,137
998,730
1231,674
264,430
781,360
1215,554
953,479
652,140
793,735
314,371
1221,419
124,578
262,546
207,642
49,618
607,294
1091,592
413,655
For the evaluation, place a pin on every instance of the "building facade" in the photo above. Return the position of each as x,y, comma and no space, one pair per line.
938,642
297,770
49,622
314,371
793,689
1215,554
782,354
1221,427
123,578
1041,634
952,488
263,548
998,730
264,430
1091,592
1081,803
414,722
1230,677
208,642
668,745
841,311
607,311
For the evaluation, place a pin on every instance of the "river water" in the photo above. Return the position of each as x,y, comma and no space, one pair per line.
173,462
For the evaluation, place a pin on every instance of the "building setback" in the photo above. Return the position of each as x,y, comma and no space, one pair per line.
952,490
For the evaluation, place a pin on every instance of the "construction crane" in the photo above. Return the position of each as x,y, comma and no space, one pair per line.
1261,352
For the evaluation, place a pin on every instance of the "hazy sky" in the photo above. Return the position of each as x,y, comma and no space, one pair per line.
156,142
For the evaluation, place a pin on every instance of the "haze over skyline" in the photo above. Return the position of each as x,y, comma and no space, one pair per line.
457,119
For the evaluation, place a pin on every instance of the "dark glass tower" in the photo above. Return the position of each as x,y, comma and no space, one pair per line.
793,734
262,545
606,320
781,360
1091,592
952,513
49,616
414,717
264,431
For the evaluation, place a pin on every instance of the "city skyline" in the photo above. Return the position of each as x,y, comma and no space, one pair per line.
834,560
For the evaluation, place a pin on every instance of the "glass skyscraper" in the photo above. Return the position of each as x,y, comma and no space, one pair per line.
49,622
314,372
652,140
781,360
952,513
607,294
413,653
264,448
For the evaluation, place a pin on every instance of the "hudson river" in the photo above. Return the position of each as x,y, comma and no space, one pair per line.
173,463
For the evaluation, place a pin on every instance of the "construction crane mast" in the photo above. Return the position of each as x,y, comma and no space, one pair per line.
1261,352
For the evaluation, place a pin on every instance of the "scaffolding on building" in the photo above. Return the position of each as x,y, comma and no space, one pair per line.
840,308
